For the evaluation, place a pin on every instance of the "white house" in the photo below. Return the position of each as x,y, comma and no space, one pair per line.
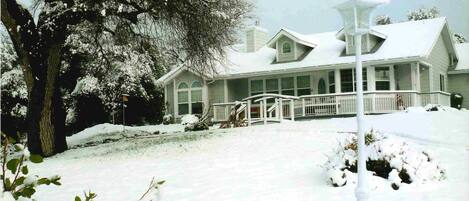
405,64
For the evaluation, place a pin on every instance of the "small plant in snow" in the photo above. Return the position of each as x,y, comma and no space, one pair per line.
153,191
18,184
88,196
390,158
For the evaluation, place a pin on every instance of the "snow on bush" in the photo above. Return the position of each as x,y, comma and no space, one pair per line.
192,123
388,157
430,108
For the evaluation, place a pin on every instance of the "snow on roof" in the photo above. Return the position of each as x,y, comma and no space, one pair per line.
413,39
407,40
463,53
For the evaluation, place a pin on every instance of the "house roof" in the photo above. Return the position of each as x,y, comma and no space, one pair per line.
406,41
463,63
297,37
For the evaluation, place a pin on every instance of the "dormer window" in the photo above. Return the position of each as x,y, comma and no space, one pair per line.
286,47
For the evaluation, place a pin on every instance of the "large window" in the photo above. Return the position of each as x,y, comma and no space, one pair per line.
321,86
348,81
257,87
331,76
190,99
303,85
442,83
383,81
288,86
271,86
286,47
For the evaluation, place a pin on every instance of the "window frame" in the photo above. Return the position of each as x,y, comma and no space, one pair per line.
388,80
189,90
280,90
354,81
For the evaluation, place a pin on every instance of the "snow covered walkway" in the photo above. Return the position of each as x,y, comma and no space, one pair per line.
273,162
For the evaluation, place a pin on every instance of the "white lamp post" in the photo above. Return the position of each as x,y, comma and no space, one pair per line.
356,15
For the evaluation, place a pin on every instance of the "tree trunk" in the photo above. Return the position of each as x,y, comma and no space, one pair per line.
46,115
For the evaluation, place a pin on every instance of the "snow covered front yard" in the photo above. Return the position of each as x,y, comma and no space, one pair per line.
274,162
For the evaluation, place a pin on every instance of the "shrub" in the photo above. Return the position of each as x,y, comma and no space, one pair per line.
389,158
168,119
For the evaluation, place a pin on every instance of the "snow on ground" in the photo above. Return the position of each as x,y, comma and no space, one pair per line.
273,162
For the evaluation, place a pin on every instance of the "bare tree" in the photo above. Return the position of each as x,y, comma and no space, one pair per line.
198,30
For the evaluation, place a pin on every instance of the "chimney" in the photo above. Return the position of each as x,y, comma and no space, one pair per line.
256,37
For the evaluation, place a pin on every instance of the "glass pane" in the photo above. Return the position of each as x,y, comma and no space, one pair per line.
382,73
256,93
302,92
382,85
183,85
257,85
346,76
321,86
346,87
288,92
183,109
196,96
271,84
332,89
183,97
303,82
286,48
331,76
288,83
272,92
196,84
197,108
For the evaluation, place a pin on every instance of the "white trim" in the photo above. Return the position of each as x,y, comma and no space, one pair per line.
371,78
392,78
431,80
205,98
175,94
337,81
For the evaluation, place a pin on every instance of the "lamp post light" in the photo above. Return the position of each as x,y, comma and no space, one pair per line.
356,15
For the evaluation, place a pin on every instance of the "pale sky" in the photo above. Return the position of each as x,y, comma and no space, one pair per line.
313,16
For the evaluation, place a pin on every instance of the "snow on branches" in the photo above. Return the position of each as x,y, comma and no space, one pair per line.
423,13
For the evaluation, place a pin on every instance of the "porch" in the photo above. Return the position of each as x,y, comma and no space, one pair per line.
275,108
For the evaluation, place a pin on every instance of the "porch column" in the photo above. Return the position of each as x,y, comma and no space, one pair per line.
430,79
205,96
265,110
292,109
371,78
225,97
175,92
337,80
415,79
392,78
281,109
249,112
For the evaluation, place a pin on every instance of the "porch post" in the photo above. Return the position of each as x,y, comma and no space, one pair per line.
415,78
371,78
265,110
292,109
175,92
392,78
337,80
225,97
205,97
281,109
249,112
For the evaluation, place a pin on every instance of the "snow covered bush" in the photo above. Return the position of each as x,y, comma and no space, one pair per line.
388,157
423,13
437,107
18,184
168,119
14,92
383,20
192,123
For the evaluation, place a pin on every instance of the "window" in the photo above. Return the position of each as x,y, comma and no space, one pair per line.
303,85
331,76
347,77
321,86
257,87
288,86
183,98
382,78
286,47
442,83
190,99
271,86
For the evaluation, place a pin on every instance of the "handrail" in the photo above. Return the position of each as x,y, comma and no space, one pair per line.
229,103
268,96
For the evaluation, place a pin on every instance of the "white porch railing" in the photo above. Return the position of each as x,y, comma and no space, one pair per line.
328,105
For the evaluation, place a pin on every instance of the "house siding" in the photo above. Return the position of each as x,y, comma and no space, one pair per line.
440,60
459,83
282,57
